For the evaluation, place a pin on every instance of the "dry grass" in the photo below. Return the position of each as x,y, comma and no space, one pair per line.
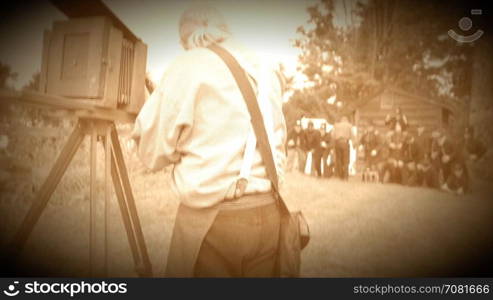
389,230
357,229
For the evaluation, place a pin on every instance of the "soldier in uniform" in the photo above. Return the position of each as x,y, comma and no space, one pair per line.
296,148
428,175
457,182
395,143
322,151
473,148
312,137
397,121
370,141
423,143
435,156
411,158
449,154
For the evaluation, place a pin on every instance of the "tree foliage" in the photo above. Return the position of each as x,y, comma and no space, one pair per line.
6,74
33,84
384,43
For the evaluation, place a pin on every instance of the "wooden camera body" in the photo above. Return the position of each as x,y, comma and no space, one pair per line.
92,61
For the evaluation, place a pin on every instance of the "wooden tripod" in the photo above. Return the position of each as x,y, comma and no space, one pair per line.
103,130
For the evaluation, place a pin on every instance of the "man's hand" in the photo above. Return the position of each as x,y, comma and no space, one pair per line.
131,145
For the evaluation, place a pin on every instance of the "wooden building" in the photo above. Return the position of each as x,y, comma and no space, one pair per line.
432,114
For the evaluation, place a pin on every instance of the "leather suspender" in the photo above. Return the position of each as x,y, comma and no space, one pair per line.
254,110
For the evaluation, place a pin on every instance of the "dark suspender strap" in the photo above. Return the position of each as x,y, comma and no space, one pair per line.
256,116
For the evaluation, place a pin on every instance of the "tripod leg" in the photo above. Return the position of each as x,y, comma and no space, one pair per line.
128,209
47,189
107,196
98,212
120,195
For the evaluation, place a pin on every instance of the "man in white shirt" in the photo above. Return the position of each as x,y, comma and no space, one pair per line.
197,120
342,133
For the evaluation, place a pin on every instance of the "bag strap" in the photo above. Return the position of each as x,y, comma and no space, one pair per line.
255,113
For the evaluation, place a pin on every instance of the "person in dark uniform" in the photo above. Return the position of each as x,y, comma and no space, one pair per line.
370,141
331,162
312,137
473,148
321,152
457,182
428,175
411,158
296,147
397,120
436,155
384,163
448,155
395,143
423,143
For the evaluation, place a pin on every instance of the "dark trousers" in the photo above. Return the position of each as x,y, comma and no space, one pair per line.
391,172
342,158
320,162
409,175
370,161
241,243
437,165
428,178
446,170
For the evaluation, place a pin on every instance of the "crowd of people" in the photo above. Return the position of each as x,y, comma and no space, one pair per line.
403,154
319,151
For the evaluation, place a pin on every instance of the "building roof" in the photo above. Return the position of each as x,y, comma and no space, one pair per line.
449,106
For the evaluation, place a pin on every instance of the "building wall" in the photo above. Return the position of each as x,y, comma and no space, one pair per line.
418,112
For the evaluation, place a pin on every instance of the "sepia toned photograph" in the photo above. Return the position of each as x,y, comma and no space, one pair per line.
274,138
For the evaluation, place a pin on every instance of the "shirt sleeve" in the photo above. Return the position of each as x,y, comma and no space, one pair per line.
165,121
280,130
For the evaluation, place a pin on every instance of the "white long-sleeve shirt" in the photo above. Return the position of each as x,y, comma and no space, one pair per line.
198,121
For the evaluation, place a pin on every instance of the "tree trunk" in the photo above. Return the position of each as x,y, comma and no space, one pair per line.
481,105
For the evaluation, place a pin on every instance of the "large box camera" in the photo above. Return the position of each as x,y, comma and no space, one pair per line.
91,60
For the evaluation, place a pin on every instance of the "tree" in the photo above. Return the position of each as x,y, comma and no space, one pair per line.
33,84
6,74
402,44
481,105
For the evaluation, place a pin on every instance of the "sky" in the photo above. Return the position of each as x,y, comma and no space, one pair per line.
267,27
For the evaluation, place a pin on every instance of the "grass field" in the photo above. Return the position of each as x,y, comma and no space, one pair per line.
357,229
